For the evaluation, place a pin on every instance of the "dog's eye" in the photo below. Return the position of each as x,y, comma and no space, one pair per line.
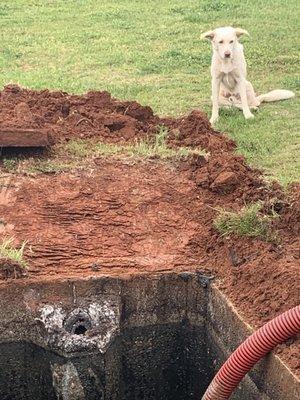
221,41
231,41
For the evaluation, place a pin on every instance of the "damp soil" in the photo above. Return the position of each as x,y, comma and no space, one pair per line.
127,216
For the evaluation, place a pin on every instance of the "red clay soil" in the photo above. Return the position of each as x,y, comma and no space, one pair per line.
95,114
123,217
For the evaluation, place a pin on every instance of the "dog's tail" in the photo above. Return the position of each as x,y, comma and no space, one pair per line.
275,95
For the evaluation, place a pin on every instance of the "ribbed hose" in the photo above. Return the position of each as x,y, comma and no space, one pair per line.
277,331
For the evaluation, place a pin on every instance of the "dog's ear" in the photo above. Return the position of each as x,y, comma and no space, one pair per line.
208,35
240,32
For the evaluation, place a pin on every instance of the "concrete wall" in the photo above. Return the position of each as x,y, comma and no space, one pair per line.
159,337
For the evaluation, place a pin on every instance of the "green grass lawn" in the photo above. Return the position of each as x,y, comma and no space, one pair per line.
151,51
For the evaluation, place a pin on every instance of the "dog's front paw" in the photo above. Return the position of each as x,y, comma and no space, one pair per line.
248,115
213,119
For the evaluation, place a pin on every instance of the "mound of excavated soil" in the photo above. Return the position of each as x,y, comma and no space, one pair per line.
125,217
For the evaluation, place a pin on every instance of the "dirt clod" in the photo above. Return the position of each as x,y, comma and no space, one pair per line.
11,269
22,112
225,182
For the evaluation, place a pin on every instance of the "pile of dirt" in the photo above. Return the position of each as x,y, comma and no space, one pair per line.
123,217
98,115
65,116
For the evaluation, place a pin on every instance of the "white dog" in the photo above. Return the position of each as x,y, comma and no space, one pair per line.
229,70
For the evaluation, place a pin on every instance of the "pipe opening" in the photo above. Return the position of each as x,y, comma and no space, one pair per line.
80,330
78,323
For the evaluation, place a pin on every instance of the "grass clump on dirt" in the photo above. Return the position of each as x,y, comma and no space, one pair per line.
249,221
77,152
50,167
10,253
156,147
84,148
10,164
38,165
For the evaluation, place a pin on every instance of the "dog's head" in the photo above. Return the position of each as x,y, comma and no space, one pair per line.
224,40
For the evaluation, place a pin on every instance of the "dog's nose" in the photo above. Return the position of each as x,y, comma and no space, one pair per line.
227,54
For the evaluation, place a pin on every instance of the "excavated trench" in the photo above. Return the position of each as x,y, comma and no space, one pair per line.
146,337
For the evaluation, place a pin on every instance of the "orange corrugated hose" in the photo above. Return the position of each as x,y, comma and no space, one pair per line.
261,342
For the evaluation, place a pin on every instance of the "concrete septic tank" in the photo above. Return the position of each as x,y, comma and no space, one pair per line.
149,337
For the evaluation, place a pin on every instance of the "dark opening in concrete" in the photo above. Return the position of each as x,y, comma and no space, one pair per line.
80,330
77,323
